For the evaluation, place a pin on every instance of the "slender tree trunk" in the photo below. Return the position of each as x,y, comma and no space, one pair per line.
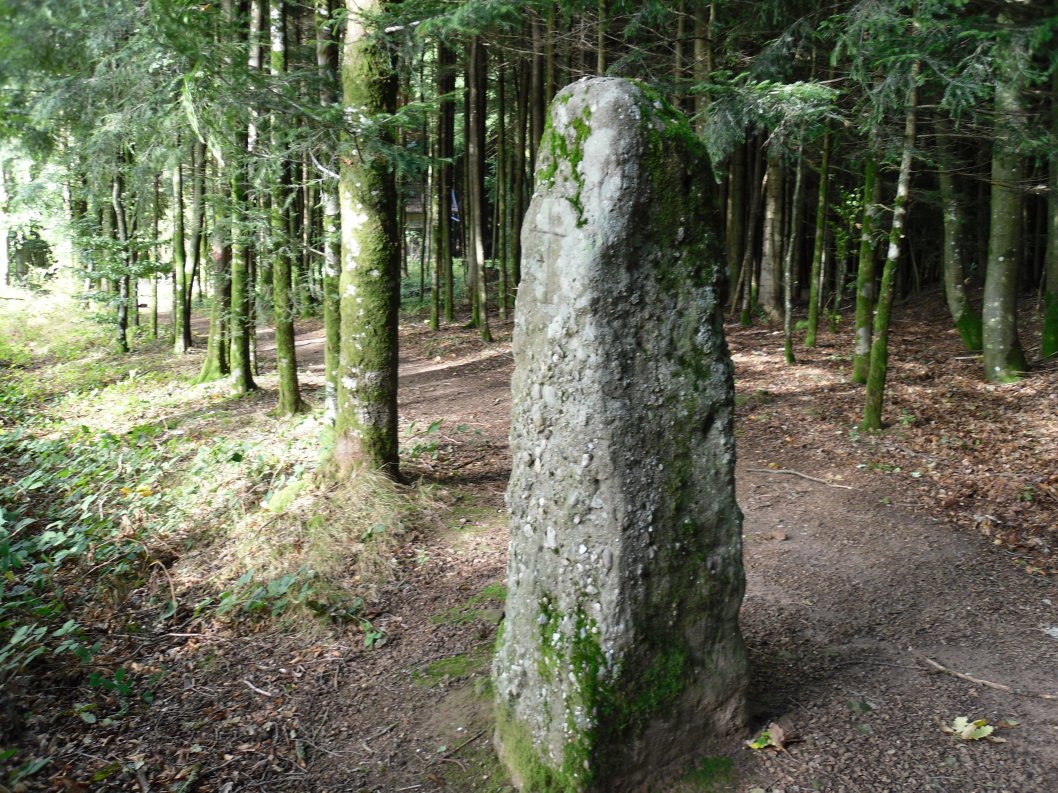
735,225
956,223
600,41
518,166
872,411
502,226
476,161
815,298
366,425
215,365
770,295
1004,360
124,278
242,322
758,186
327,66
194,230
445,152
788,262
1049,341
280,254
872,199
537,102
156,210
181,316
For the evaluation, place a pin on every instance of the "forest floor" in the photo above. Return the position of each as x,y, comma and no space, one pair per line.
895,582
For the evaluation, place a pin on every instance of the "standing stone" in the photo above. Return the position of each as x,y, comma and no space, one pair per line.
621,654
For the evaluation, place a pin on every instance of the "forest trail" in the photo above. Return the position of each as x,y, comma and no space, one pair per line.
931,543
851,587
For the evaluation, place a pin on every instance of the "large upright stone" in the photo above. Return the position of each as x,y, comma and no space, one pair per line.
621,654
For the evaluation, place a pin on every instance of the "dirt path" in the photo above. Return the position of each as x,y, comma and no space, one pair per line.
849,591
918,544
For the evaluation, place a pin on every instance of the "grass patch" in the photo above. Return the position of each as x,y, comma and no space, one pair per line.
487,605
454,667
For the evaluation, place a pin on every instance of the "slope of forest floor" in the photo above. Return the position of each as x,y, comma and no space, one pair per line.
871,561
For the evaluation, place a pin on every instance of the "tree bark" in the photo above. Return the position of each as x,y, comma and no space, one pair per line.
956,223
327,67
1004,360
280,253
181,316
125,277
476,83
872,199
215,365
815,297
1049,341
787,269
770,294
872,411
366,425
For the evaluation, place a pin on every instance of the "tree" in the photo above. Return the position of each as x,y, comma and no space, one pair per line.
366,424
872,411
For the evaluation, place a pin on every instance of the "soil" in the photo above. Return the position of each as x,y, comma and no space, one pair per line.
894,583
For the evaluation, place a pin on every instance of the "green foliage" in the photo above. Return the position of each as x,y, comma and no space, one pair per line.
788,112
68,506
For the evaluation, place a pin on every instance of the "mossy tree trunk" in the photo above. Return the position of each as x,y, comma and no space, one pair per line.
872,411
327,65
956,223
1004,360
815,297
366,425
280,253
865,272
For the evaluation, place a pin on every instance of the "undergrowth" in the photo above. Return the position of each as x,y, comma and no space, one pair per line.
125,490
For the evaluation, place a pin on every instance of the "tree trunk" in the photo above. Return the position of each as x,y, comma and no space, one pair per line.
181,316
215,365
770,294
735,223
758,185
476,83
872,411
872,199
124,278
502,210
366,425
327,66
156,211
445,152
815,297
1004,360
194,222
280,253
242,322
537,102
956,220
1049,340
600,40
788,269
